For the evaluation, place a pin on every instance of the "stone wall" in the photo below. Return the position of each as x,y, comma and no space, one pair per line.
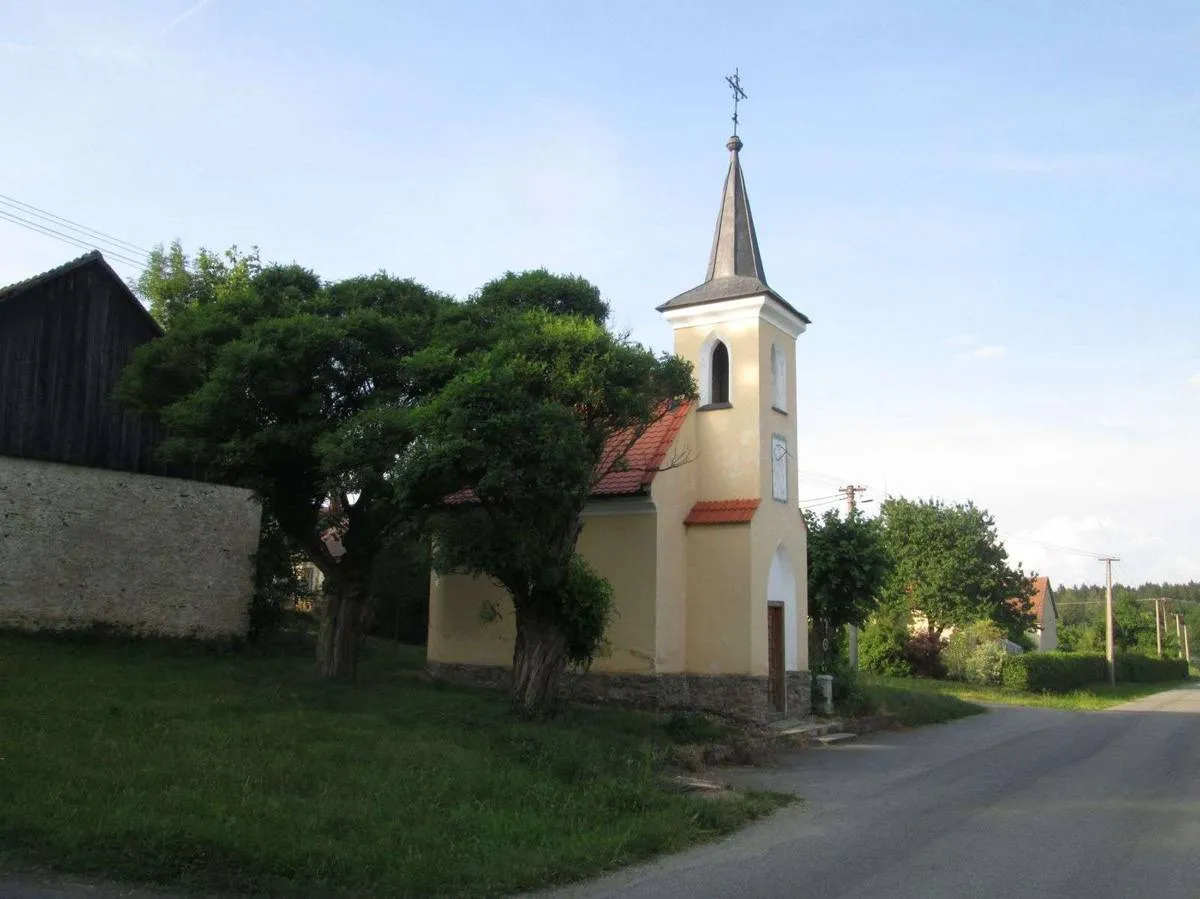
743,697
141,554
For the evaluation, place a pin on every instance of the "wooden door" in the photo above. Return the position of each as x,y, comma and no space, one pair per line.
776,670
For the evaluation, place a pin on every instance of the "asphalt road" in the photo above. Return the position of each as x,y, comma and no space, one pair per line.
1017,802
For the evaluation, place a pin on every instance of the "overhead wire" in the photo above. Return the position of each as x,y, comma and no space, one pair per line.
73,240
30,209
1083,553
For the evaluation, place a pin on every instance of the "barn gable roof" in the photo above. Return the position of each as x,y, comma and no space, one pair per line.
94,258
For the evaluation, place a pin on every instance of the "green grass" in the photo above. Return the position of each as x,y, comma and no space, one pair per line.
243,773
914,707
1099,696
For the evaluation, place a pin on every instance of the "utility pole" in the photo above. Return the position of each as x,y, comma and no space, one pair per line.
1109,652
1157,627
851,491
1178,635
1187,652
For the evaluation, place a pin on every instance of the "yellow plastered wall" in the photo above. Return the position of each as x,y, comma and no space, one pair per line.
778,522
721,619
728,440
621,547
673,493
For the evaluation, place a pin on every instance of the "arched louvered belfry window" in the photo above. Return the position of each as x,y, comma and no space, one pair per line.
719,372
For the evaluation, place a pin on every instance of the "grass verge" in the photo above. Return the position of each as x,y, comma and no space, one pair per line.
1099,696
243,773
914,707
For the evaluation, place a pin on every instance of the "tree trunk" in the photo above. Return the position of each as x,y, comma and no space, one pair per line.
539,659
343,625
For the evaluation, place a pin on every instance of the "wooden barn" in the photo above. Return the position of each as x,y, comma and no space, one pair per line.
65,336
94,529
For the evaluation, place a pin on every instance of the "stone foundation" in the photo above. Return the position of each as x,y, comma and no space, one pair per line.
799,694
739,696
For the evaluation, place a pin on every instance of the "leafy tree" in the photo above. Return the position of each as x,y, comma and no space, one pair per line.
950,566
539,289
523,424
173,282
847,567
306,394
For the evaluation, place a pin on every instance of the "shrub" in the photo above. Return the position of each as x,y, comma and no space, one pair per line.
1142,669
1055,672
881,648
986,663
962,646
924,654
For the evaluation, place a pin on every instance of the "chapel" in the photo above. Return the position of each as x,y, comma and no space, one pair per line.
701,534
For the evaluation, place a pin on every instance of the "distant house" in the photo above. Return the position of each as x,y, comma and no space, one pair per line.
1045,632
95,530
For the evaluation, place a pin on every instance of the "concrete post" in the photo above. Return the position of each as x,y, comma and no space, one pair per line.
825,688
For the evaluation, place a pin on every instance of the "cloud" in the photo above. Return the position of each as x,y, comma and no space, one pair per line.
185,15
1194,380
968,348
988,352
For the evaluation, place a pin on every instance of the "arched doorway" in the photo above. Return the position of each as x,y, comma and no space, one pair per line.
782,655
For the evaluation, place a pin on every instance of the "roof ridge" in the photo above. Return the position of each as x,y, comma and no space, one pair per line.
34,280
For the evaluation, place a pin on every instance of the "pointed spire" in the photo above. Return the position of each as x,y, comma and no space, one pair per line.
735,245
735,268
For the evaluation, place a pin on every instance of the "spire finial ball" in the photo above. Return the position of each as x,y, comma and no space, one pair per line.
735,144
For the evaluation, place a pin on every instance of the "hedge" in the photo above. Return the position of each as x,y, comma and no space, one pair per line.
1139,669
1059,672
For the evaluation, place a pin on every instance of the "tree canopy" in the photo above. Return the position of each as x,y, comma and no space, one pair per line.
522,427
172,281
847,566
304,392
949,565
359,407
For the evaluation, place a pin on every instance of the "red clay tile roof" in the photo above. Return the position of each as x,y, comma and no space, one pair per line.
643,459
722,511
641,463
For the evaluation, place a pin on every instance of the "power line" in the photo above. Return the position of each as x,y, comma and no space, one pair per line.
813,499
70,239
28,208
1083,553
827,502
823,477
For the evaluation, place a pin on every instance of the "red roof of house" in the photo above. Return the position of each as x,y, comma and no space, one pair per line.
641,462
1037,602
722,511
1041,587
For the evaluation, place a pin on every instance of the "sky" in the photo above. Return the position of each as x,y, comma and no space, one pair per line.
990,211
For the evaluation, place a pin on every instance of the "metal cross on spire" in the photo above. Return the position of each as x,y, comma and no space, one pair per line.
735,83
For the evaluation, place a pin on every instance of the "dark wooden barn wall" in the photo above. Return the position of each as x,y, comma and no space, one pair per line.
63,344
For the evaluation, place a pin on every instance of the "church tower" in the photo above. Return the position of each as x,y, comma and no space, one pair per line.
740,336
